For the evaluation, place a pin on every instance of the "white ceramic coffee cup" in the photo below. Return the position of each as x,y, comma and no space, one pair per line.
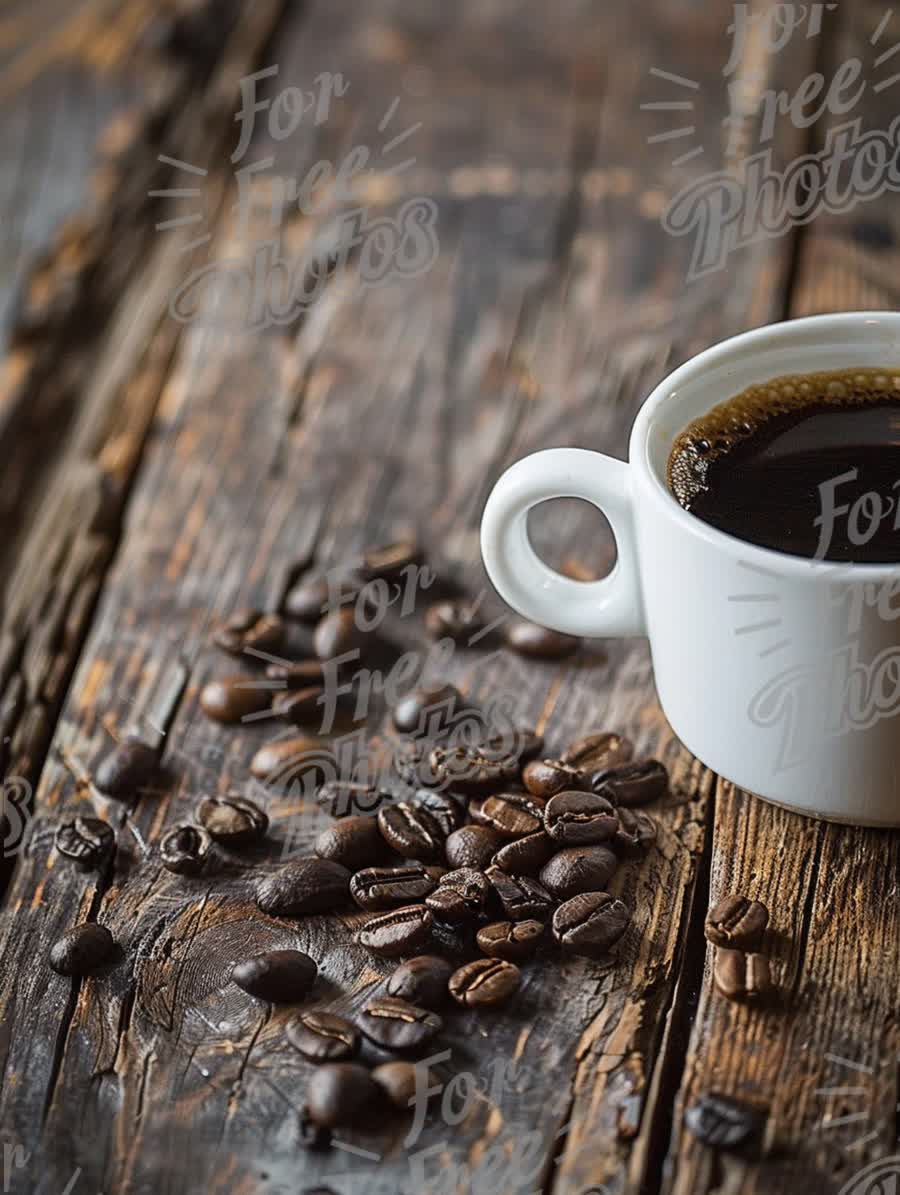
780,673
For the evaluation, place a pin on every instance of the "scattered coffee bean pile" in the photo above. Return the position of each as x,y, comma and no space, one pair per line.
483,854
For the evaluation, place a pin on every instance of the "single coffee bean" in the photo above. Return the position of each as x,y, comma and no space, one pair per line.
637,831
469,769
411,830
526,856
400,931
232,820
234,698
511,814
421,980
737,923
250,631
185,850
322,1036
632,783
598,750
472,846
459,896
307,600
510,940
337,634
377,888
591,923
458,620
579,869
523,898
539,643
128,768
352,841
297,674
545,778
447,810
740,976
82,950
401,1081
398,1025
300,707
306,885
286,758
389,560
576,817
485,983
342,798
279,976
89,841
342,1093
427,711
721,1122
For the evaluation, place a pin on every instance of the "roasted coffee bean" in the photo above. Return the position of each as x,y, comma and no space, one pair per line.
421,980
637,831
401,1081
412,830
401,931
469,769
485,983
234,698
545,778
82,950
307,600
128,768
298,674
337,634
377,888
279,976
342,1093
185,850
448,811
397,1024
232,820
427,711
523,898
89,841
389,560
721,1122
307,885
458,620
472,846
510,940
459,896
286,758
737,923
323,1036
632,783
526,856
602,749
579,869
352,841
511,814
300,707
540,643
573,818
342,798
250,631
591,923
740,976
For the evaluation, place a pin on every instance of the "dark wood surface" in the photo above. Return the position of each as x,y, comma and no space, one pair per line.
164,475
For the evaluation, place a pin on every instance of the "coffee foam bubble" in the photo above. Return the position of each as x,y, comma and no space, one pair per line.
732,422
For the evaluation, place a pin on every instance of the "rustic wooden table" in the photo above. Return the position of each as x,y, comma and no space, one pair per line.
158,475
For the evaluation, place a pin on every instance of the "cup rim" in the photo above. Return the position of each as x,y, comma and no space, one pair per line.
715,355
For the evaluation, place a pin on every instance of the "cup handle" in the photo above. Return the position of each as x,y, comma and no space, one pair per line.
612,606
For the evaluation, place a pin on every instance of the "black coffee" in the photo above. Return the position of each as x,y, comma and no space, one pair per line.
806,464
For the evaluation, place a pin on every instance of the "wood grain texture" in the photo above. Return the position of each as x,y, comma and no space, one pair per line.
555,304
